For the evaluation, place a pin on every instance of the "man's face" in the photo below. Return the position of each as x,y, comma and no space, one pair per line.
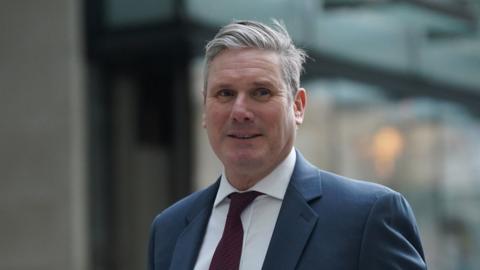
249,117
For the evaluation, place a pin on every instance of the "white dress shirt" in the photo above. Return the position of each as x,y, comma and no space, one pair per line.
258,219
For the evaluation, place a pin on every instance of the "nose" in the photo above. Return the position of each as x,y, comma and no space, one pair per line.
241,112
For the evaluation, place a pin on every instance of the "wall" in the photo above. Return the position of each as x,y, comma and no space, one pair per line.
42,137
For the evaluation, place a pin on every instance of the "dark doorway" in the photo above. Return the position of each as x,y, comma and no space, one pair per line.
140,138
140,152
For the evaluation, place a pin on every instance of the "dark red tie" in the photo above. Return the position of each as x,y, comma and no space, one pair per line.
229,249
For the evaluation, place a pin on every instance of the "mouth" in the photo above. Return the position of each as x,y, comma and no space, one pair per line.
243,136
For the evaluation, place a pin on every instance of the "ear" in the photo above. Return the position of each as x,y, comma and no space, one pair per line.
299,104
204,122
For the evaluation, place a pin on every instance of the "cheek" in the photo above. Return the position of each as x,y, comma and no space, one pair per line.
278,122
214,119
287,124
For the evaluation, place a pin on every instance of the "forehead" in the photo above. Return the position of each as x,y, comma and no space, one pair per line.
233,64
248,55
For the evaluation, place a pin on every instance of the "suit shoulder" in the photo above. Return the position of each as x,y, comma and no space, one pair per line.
358,201
357,190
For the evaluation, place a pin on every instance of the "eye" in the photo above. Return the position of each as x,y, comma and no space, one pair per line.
224,95
261,93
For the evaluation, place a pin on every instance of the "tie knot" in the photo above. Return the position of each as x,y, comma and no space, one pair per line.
239,201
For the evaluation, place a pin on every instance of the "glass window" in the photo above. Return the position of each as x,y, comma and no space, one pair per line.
121,13
423,147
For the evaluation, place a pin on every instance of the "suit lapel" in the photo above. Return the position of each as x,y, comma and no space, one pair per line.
189,242
296,219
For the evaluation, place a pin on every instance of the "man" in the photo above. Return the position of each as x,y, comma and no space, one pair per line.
271,209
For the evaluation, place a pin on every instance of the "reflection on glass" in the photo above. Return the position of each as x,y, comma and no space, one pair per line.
425,148
387,145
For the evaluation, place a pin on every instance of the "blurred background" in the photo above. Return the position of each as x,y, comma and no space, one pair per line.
100,112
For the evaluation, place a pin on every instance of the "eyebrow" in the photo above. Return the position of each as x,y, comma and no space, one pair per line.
257,83
221,85
263,83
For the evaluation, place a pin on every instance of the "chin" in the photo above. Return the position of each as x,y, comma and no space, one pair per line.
245,159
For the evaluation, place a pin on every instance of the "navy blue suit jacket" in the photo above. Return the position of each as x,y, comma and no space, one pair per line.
326,222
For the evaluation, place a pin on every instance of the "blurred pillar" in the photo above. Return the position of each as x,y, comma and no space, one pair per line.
42,137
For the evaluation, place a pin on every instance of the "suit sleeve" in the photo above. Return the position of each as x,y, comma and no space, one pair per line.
390,240
151,248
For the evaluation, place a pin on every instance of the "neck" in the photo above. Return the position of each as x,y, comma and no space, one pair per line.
245,178
243,181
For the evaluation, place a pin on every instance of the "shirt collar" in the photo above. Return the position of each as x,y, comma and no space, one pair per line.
274,184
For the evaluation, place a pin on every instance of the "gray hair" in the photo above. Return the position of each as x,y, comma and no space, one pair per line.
251,34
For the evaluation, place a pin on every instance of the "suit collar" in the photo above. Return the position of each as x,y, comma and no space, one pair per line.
296,219
189,242
205,201
306,179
